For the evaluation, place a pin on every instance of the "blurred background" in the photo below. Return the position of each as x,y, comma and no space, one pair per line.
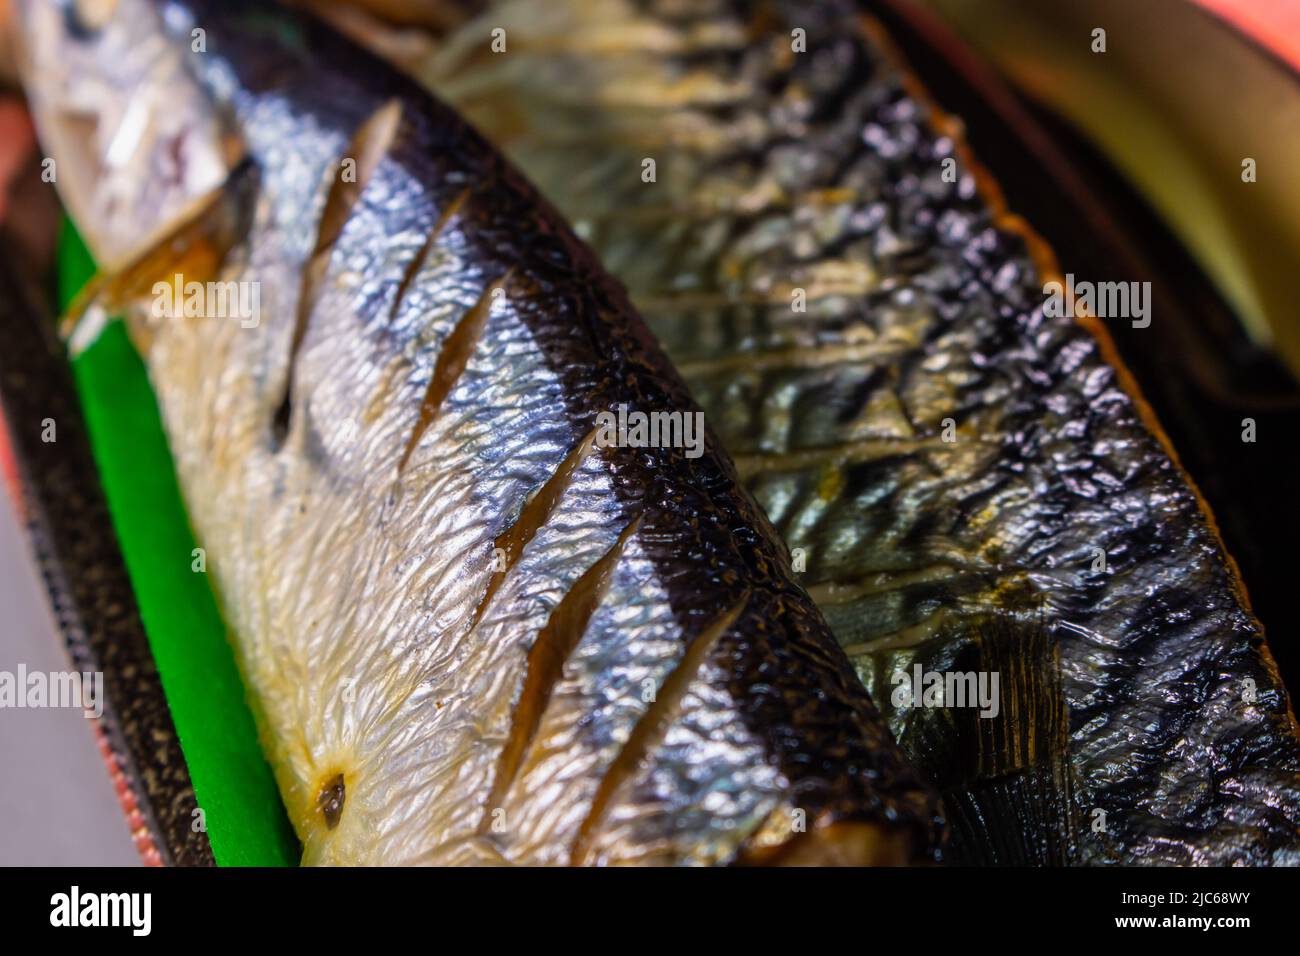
57,802
58,805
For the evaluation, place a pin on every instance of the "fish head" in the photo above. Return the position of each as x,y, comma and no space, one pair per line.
132,140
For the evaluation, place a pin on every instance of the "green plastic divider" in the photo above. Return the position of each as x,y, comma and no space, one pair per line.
236,790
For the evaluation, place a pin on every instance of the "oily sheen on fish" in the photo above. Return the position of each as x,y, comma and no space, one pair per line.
972,484
472,631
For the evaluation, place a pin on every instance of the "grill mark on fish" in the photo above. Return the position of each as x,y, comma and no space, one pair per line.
544,666
536,513
422,254
798,725
452,361
652,726
983,350
371,142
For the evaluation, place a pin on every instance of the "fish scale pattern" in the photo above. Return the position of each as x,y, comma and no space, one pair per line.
866,330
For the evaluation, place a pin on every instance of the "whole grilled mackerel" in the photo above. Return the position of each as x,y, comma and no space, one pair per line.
972,485
473,629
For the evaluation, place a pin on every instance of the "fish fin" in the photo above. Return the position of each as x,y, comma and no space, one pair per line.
1009,792
196,249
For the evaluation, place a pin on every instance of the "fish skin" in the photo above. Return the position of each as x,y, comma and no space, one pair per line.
1144,691
350,559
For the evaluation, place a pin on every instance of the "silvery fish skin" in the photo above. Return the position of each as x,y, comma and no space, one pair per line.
471,632
973,484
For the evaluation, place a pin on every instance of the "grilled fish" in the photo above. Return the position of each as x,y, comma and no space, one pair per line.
475,625
972,484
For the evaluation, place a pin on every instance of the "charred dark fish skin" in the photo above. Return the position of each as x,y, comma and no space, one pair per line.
1150,723
358,540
